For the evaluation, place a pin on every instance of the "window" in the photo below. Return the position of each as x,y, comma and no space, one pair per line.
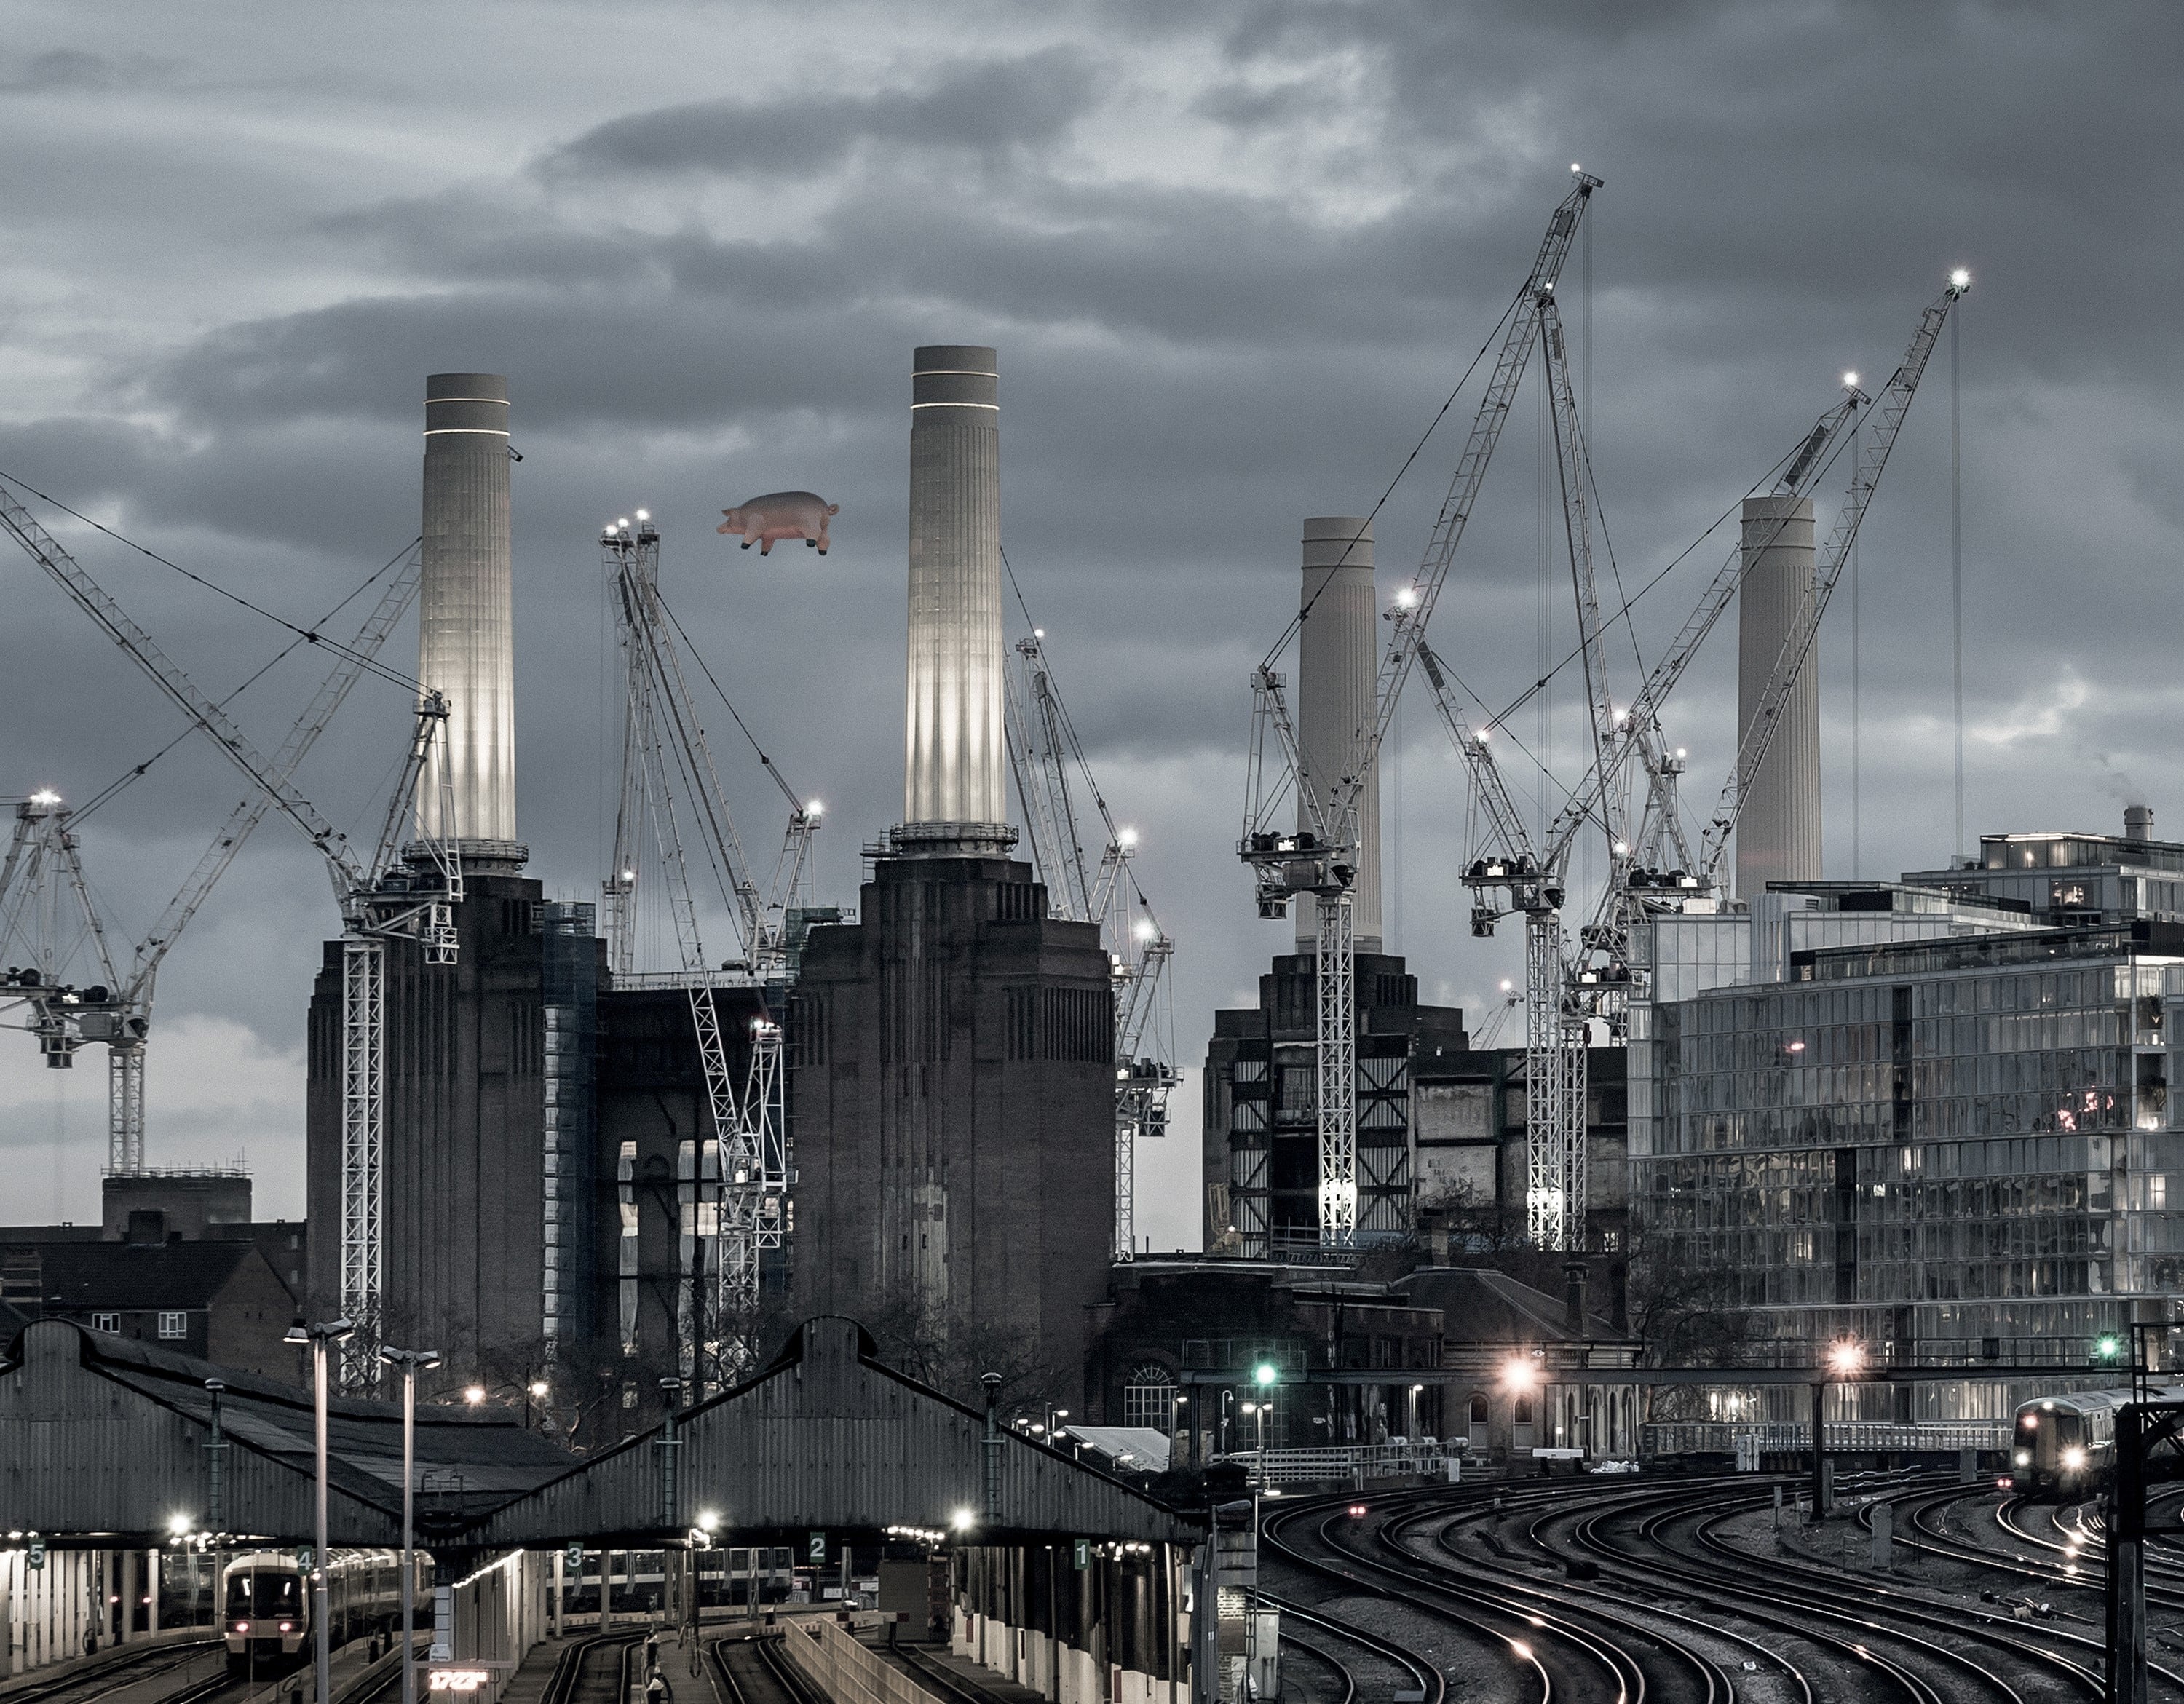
1523,1416
106,1321
173,1324
1148,1397
1479,1407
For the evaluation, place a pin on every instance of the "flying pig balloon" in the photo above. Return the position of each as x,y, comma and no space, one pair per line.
781,514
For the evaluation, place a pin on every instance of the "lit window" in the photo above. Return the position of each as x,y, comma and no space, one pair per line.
2157,1191
1148,1397
106,1321
174,1325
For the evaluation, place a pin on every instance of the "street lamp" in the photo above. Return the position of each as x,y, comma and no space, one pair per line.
317,1337
412,1361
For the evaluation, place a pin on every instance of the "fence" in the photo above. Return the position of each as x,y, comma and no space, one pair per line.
1403,1458
1721,1437
843,1670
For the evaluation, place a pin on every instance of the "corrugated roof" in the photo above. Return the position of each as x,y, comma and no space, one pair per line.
828,1437
73,1456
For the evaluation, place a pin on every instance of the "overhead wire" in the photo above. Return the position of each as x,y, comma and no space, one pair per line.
307,634
697,657
136,772
1304,611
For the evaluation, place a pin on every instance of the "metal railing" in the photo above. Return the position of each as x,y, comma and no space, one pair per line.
1721,1437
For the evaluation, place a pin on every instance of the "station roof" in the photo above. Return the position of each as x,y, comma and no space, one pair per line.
828,1437
102,1434
1487,1308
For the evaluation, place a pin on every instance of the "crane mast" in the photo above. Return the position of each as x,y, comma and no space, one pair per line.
1565,991
1319,860
1043,750
740,1181
380,897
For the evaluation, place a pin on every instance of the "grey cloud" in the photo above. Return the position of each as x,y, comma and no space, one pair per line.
996,105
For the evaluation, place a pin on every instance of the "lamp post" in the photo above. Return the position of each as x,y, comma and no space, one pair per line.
1846,1358
412,1361
318,1336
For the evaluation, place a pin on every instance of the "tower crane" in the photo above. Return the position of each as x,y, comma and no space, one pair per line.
118,1012
1565,991
743,1174
1044,750
392,891
1317,860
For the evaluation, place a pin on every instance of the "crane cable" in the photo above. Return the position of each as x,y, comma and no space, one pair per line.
304,634
136,772
1076,746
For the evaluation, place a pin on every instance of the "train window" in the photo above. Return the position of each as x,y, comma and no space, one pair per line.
263,1594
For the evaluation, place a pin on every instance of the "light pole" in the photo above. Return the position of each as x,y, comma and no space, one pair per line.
318,1336
412,1361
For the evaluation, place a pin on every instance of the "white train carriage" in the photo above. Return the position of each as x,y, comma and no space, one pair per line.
267,1604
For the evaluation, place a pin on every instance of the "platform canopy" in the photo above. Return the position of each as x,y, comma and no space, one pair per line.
828,1439
102,1435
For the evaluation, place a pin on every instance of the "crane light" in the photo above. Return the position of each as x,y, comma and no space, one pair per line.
1126,838
1960,280
644,515
1850,382
1407,598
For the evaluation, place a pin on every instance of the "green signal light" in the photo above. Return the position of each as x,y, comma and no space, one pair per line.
2106,1348
1264,1373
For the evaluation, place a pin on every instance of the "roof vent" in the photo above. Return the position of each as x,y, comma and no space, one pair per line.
2138,822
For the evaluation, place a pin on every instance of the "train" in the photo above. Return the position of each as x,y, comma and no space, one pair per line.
2064,1446
266,1610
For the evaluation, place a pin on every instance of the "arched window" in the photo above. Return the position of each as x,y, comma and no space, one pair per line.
1479,1407
1148,1397
1524,1414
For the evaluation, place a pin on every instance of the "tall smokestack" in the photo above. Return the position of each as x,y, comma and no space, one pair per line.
1778,831
956,764
1337,674
466,639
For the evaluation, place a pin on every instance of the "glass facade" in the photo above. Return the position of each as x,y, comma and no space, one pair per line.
1954,1148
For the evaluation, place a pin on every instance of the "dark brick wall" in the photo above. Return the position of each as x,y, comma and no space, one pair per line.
951,1097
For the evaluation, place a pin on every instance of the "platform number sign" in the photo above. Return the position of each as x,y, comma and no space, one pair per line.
575,1560
1083,1553
37,1558
306,1558
815,1549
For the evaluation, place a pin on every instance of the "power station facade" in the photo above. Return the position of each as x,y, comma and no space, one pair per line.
951,1068
551,1190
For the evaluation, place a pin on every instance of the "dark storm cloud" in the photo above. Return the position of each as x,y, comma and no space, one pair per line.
996,107
1233,257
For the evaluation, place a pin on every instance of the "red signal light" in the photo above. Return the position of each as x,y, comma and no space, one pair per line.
1357,1511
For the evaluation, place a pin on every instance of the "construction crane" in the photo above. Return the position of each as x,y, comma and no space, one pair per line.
395,891
740,1181
118,1010
1044,752
1564,991
1317,860
47,921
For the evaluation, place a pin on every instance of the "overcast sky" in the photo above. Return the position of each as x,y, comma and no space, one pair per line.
1235,256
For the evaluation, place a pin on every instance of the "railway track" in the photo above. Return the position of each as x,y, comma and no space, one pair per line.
751,1669
118,1676
1684,1607
593,1671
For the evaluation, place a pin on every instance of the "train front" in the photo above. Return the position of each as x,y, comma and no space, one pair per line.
266,1620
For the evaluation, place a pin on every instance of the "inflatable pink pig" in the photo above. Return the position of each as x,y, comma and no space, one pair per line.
781,514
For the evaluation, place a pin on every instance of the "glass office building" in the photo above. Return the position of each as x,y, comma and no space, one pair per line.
1931,1116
